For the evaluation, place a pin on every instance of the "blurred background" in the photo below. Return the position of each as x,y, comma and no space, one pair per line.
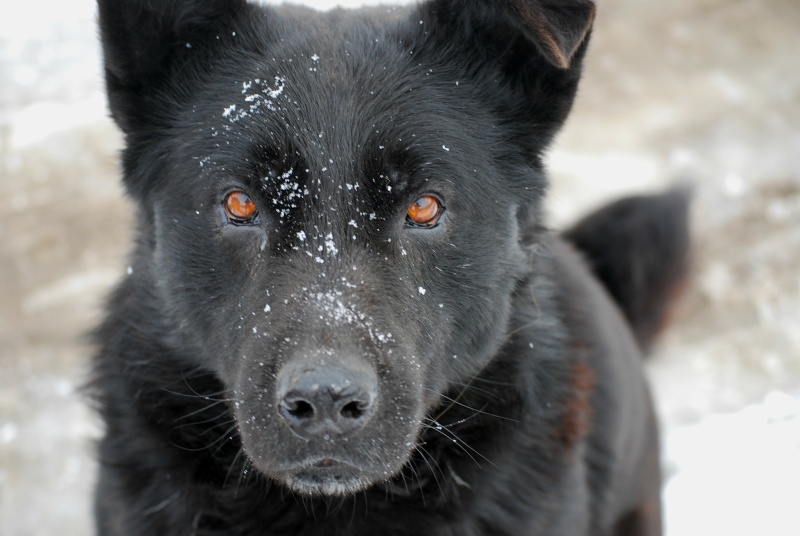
704,91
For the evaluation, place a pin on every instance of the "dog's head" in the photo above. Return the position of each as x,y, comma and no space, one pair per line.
332,205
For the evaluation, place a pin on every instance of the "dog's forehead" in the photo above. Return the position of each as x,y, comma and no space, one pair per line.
338,103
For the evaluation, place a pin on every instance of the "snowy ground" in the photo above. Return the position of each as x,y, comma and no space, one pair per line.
700,90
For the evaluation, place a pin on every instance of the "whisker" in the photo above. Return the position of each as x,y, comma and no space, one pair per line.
204,408
458,422
490,382
415,471
244,474
195,394
478,389
225,437
233,464
460,443
455,401
425,456
198,423
222,423
221,438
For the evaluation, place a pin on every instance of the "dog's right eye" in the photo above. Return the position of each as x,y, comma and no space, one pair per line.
424,212
240,208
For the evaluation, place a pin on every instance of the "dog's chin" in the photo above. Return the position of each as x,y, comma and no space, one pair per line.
326,478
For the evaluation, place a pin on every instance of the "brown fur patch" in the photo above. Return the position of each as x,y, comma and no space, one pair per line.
577,420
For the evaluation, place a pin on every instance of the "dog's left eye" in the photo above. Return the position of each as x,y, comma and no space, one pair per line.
424,212
240,208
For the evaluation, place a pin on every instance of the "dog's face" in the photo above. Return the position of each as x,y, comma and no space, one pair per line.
332,206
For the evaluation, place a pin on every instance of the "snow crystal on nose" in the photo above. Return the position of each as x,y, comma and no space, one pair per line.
337,310
330,245
229,110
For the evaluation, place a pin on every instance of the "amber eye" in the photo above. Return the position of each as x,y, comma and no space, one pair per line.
239,207
425,211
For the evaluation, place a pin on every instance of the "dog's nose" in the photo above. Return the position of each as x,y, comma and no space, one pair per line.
326,401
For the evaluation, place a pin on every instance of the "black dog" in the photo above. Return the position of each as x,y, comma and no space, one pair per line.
344,315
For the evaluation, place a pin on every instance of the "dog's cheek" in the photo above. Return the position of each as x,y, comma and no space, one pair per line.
475,296
204,280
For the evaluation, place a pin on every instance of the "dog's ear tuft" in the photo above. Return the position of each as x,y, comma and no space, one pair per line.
146,41
558,27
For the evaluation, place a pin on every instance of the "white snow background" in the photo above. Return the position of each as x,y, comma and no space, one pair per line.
726,378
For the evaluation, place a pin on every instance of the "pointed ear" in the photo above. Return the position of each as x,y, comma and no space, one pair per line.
526,54
557,27
145,42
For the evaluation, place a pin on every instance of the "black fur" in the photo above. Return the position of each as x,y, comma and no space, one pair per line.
497,388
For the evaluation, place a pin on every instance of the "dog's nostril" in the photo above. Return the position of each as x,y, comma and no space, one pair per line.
298,409
354,410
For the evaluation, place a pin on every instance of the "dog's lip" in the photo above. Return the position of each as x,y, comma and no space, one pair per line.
319,465
324,463
326,476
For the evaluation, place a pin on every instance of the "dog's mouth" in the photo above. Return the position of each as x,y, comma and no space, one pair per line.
326,477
